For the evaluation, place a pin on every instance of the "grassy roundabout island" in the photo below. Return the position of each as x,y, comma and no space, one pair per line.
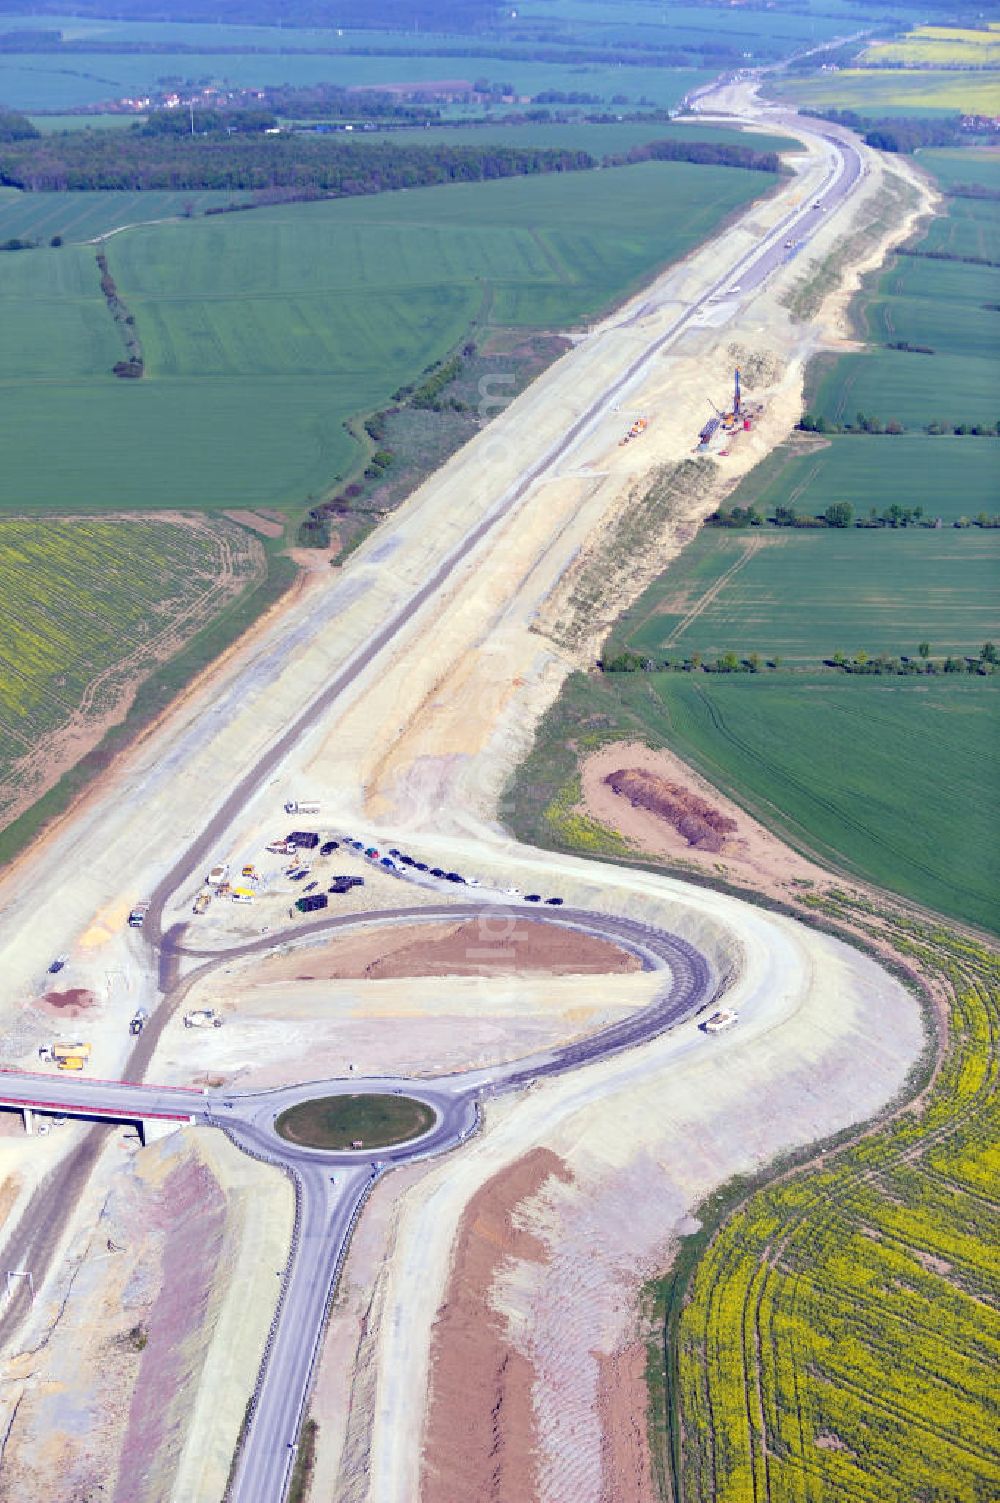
372,1121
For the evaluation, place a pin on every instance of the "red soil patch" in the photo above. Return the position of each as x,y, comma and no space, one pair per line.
623,1403
492,945
479,1434
72,1003
702,826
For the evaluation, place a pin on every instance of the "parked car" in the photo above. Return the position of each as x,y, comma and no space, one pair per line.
57,965
328,847
555,902
454,877
533,897
420,866
437,871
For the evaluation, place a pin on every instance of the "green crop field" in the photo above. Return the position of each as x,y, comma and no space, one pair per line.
263,332
912,389
44,82
50,123
840,1336
92,605
949,306
84,216
967,164
948,477
598,139
884,777
804,595
971,228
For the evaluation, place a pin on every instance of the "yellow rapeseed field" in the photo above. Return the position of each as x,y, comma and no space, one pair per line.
871,90
940,46
842,1333
87,606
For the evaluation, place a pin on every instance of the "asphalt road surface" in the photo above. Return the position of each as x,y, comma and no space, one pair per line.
331,1188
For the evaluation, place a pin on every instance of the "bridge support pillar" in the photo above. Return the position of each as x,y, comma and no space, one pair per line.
152,1129
29,1120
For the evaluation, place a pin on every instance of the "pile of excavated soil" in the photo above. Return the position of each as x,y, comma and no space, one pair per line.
747,853
623,1404
72,1003
702,825
490,945
479,1436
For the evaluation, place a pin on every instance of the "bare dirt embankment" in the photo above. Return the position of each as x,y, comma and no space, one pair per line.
479,1440
106,1390
493,945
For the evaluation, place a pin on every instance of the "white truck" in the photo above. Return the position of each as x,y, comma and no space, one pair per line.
203,1017
218,875
302,806
720,1021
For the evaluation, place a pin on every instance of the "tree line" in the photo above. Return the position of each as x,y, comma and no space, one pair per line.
863,663
841,514
162,155
897,133
869,422
134,160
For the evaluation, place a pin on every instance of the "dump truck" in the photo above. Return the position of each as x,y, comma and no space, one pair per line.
68,1056
139,1020
302,806
64,1051
720,1021
202,901
202,1017
137,915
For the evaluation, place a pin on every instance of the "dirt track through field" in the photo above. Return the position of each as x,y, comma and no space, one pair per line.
750,547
